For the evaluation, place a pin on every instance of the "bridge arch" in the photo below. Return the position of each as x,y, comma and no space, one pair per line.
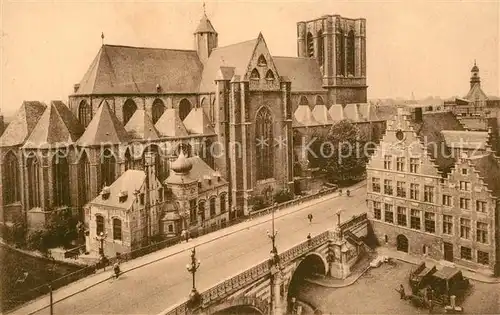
240,305
312,264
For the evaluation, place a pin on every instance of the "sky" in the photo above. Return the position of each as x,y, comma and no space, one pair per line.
424,47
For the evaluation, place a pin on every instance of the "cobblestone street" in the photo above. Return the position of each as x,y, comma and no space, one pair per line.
375,293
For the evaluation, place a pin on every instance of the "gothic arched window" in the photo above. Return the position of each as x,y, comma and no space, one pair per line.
129,109
84,113
157,110
351,53
184,108
254,75
108,167
60,177
319,100
339,43
84,178
129,162
264,144
321,52
310,45
11,179
269,75
303,100
33,167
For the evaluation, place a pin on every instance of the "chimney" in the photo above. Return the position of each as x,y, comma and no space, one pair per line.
216,175
76,87
417,114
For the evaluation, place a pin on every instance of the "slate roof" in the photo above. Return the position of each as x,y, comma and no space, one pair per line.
132,70
20,128
336,112
466,139
320,114
489,169
303,115
197,122
140,127
170,124
104,128
129,181
199,170
205,26
304,73
429,132
235,56
56,128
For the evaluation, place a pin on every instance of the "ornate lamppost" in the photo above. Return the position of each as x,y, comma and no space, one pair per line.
192,267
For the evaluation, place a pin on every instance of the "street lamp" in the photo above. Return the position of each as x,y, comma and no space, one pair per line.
100,238
194,296
50,285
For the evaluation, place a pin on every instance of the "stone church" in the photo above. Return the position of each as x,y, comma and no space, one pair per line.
234,109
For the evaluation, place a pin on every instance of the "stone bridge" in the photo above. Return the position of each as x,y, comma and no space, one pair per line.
267,288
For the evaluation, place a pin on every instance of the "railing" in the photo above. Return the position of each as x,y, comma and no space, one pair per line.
356,220
67,279
236,283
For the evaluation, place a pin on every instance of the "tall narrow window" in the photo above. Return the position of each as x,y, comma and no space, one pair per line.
60,177
108,168
430,222
414,163
401,216
129,162
482,232
192,212
389,213
201,210
465,228
310,45
387,162
157,110
84,178
129,109
84,113
321,51
269,75
155,151
415,219
117,229
375,184
222,203
264,144
351,54
377,210
99,224
339,43
33,167
212,207
428,193
184,108
11,179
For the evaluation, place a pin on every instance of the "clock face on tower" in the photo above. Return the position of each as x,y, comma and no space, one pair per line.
400,135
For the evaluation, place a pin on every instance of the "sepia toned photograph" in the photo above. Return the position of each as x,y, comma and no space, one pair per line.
249,157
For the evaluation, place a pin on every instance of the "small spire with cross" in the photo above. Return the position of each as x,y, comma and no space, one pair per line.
102,37
204,9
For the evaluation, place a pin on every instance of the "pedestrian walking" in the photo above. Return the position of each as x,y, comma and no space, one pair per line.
401,291
310,217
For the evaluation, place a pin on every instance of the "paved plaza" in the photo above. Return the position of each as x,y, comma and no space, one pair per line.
375,293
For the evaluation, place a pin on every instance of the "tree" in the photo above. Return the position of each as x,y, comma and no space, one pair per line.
342,152
61,227
283,195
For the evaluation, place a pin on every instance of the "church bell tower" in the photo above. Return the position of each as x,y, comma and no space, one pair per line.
205,38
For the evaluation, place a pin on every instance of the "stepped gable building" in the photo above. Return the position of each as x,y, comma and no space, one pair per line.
433,190
214,104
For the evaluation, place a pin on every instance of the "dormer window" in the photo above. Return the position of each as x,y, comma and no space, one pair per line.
254,75
269,75
105,193
122,196
262,61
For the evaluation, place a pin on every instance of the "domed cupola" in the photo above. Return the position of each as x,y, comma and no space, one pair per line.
182,165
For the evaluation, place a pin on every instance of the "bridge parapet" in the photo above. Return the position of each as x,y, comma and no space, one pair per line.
354,222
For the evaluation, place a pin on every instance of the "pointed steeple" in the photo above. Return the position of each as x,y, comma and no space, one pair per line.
205,38
170,124
474,78
23,124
